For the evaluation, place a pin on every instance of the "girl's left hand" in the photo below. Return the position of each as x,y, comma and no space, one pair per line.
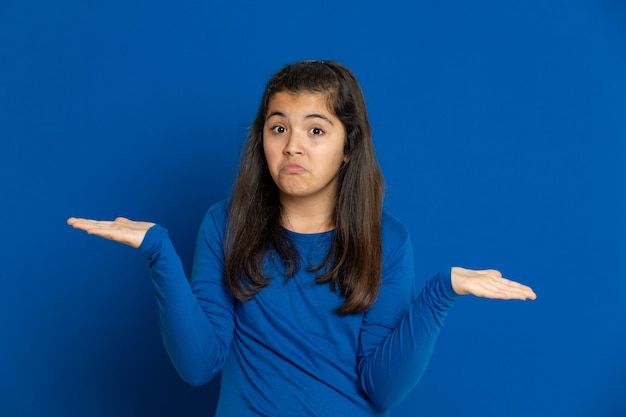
121,230
489,283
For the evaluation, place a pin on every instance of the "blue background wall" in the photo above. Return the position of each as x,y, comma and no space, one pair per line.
500,126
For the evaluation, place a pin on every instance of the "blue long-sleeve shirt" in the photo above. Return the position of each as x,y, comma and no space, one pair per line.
287,351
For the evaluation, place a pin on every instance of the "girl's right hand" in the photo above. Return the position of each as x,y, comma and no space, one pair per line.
120,230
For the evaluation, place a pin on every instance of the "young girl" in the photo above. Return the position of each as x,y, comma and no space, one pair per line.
302,291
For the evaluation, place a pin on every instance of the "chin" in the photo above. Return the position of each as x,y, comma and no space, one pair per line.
293,190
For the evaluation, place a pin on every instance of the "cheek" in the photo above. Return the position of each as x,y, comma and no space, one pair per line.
271,159
267,152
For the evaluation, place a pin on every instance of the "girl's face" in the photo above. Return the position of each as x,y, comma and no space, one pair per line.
303,143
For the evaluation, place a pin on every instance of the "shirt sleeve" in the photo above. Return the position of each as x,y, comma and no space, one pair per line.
399,332
196,317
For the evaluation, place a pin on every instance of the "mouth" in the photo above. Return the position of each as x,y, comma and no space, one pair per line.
292,169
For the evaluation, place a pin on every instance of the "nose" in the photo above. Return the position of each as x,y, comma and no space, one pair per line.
294,145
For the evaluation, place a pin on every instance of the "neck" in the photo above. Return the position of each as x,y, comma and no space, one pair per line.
306,216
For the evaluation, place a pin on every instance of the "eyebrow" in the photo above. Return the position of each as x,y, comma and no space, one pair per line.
308,116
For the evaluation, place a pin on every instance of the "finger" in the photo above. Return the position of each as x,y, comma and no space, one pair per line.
80,223
89,225
73,220
518,288
492,289
490,286
106,229
508,291
112,231
511,285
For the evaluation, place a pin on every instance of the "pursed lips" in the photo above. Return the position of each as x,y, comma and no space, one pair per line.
292,169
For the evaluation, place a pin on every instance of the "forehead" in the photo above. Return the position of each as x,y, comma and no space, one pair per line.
288,102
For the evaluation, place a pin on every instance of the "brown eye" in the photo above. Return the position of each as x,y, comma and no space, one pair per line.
278,129
316,131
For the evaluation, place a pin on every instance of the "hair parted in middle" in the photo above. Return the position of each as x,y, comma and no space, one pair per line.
353,264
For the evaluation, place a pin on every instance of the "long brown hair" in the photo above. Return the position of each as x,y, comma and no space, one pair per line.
354,261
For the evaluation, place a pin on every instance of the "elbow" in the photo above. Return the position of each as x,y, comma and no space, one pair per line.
195,381
385,391
195,366
197,372
382,396
384,402
388,394
196,378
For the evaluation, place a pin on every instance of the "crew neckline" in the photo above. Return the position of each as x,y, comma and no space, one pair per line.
309,237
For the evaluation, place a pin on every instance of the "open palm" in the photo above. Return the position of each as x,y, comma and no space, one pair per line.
121,229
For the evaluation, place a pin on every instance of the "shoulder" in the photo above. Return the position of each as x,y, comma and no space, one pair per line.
393,231
215,220
397,288
219,211
395,239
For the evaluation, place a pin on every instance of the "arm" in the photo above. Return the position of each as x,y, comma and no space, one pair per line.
399,332
196,317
